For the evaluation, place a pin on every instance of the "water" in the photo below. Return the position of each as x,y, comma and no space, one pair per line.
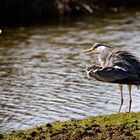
42,73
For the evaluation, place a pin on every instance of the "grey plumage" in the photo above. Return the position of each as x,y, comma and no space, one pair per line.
117,66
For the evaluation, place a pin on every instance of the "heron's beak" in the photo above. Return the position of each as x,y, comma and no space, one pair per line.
90,51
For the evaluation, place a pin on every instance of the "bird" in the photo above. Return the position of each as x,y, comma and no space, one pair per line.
115,66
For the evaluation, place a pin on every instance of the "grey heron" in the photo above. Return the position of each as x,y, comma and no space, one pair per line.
116,66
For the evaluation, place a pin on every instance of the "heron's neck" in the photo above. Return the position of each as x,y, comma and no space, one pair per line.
102,57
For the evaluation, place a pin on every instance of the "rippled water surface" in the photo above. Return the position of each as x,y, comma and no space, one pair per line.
42,73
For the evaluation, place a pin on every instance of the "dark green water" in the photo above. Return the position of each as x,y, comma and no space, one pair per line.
42,73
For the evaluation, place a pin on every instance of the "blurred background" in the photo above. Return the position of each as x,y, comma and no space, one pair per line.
42,70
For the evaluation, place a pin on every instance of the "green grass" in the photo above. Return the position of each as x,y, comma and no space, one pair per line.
116,126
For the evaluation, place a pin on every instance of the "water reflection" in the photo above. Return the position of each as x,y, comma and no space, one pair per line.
42,73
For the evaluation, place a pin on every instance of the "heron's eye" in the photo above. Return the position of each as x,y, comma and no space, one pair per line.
95,48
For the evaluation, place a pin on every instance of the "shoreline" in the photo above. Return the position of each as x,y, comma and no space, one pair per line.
115,126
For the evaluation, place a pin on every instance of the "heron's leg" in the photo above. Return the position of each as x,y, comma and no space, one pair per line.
120,86
130,98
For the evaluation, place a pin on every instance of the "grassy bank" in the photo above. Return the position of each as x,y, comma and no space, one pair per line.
117,127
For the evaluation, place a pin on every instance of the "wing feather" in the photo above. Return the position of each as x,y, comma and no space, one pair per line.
120,67
114,75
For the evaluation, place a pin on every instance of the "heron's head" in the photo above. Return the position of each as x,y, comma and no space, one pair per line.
98,48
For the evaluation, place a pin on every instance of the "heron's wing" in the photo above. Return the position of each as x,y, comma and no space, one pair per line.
124,60
114,75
